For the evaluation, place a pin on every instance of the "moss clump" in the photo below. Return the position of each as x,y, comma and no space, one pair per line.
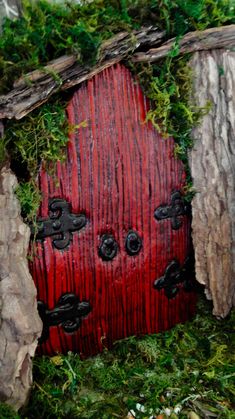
42,135
180,16
47,31
191,366
6,412
30,199
169,86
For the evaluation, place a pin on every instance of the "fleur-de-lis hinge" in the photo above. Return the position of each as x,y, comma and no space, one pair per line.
60,224
177,208
67,313
175,275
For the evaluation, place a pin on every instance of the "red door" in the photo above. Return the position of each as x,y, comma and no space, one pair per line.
115,232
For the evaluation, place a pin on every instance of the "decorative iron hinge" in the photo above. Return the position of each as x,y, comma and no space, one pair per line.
60,224
175,275
177,208
68,313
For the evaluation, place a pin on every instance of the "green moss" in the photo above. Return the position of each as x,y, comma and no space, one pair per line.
169,86
30,198
180,16
6,412
42,135
191,366
47,31
174,112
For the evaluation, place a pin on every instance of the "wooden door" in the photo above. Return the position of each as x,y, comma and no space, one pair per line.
109,258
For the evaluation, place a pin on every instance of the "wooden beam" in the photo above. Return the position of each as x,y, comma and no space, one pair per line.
38,86
213,38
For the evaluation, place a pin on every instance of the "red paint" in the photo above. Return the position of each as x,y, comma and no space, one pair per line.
118,170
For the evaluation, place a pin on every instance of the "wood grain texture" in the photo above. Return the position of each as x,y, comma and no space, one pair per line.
212,162
212,38
118,170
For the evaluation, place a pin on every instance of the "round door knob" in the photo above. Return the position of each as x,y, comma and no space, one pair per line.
108,248
133,243
56,225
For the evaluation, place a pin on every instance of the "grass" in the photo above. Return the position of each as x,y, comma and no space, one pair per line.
187,369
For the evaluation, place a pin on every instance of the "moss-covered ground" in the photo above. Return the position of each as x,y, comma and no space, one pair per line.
190,368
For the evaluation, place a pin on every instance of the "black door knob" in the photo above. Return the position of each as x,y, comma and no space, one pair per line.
108,248
133,243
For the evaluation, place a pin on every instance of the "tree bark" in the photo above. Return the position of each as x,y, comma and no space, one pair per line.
212,38
37,87
20,324
212,162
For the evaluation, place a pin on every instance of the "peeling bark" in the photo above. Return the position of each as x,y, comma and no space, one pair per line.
38,86
20,325
212,38
212,162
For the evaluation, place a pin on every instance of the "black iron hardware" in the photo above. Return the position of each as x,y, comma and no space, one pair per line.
133,243
108,248
68,313
177,207
60,224
173,276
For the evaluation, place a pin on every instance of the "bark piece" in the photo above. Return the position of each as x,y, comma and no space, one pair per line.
212,38
27,95
212,162
38,86
20,325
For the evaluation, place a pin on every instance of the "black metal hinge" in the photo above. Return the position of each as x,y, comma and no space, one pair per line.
177,208
175,275
68,313
60,224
